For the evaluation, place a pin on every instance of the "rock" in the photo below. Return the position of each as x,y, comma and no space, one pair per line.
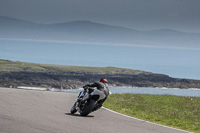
73,80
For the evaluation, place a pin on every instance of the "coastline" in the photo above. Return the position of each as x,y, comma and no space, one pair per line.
125,90
42,88
13,74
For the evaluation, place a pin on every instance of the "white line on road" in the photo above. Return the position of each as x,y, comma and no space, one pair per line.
144,120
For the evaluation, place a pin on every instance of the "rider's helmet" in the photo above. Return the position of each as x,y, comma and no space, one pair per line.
103,80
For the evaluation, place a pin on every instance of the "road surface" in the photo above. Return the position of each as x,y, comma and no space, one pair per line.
33,111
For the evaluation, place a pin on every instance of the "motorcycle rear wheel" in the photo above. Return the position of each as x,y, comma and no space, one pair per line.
88,109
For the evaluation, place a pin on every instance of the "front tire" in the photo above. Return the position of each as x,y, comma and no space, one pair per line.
73,109
88,109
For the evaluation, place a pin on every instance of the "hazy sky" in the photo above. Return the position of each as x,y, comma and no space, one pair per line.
183,15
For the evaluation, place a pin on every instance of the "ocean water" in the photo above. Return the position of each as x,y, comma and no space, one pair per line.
151,91
121,90
175,62
157,91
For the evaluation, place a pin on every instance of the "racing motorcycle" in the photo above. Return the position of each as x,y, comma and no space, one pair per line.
87,101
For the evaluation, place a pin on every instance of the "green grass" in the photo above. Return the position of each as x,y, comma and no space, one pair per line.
6,65
174,111
2,61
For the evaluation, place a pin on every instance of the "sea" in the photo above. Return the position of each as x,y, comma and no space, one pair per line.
175,62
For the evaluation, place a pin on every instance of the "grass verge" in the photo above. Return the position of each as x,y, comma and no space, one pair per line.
173,111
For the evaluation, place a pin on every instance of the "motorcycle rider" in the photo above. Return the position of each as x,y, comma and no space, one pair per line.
102,86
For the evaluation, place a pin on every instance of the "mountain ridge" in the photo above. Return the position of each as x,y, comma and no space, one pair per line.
87,31
88,22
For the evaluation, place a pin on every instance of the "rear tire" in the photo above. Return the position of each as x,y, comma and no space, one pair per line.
88,109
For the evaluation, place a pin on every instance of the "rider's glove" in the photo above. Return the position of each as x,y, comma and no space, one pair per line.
85,86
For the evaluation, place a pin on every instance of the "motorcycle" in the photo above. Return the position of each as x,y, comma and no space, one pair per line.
88,101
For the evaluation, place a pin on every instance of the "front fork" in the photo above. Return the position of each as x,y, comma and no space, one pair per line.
82,93
83,96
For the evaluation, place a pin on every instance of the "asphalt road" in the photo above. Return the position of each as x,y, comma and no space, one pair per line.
31,111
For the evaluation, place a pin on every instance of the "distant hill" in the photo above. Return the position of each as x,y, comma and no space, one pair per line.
43,75
86,31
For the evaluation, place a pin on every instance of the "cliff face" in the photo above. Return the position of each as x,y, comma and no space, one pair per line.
72,80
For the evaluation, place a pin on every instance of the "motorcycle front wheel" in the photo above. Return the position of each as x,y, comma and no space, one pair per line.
73,109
